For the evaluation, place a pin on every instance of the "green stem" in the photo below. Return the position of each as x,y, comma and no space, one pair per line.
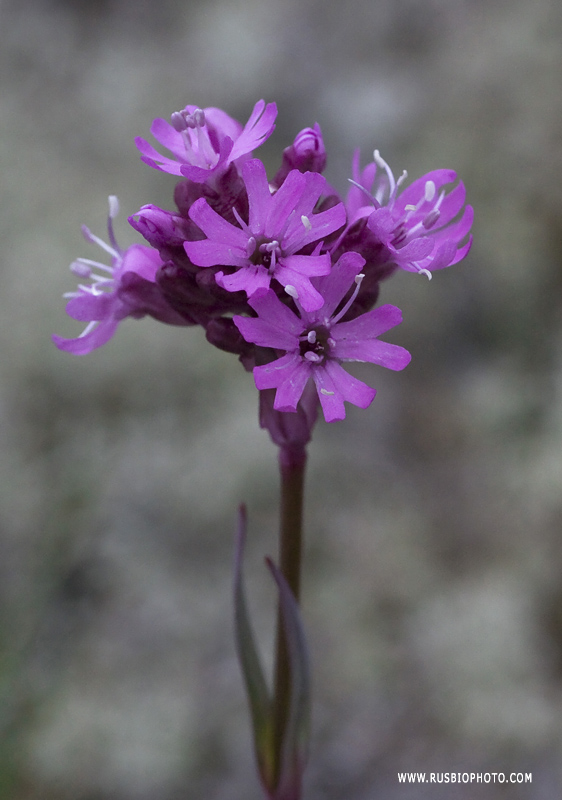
292,463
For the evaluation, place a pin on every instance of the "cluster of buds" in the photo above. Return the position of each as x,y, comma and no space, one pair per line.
284,273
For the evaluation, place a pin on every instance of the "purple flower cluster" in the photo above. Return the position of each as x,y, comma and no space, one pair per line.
282,272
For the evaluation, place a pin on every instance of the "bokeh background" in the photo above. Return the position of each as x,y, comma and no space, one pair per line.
433,574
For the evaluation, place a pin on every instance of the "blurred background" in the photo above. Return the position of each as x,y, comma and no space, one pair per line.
433,572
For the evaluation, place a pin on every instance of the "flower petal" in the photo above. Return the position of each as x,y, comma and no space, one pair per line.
84,344
368,325
272,375
210,253
290,390
334,286
259,127
87,307
309,298
335,385
154,159
249,279
222,123
282,205
259,195
277,326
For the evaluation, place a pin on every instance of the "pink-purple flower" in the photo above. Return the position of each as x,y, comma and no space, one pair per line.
280,272
124,289
419,229
314,343
204,142
270,245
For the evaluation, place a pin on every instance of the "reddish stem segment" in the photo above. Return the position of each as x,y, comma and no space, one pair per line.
292,463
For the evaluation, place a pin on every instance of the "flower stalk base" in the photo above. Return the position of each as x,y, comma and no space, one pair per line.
292,464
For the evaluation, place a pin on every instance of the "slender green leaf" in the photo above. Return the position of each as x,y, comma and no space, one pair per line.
256,687
297,733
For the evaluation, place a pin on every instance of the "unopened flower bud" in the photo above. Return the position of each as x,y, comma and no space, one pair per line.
307,154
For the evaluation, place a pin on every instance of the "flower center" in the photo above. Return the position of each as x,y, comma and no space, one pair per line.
315,344
264,253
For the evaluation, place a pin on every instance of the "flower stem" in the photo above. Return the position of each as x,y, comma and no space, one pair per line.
292,463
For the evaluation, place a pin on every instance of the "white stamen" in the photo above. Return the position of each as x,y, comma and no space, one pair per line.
326,392
113,211
250,246
90,326
269,247
358,280
362,188
80,269
91,237
429,191
402,178
239,220
89,262
314,357
311,337
410,207
291,291
379,160
113,206
306,222
99,280
425,272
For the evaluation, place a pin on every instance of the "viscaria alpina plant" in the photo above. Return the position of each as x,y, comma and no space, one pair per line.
284,273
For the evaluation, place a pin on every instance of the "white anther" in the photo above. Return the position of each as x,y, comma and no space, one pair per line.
80,269
392,186
429,191
358,280
113,206
402,178
306,222
409,207
379,160
314,357
291,291
425,272
326,392
250,246
311,337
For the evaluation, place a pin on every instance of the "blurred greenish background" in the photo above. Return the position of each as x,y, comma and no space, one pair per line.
433,574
